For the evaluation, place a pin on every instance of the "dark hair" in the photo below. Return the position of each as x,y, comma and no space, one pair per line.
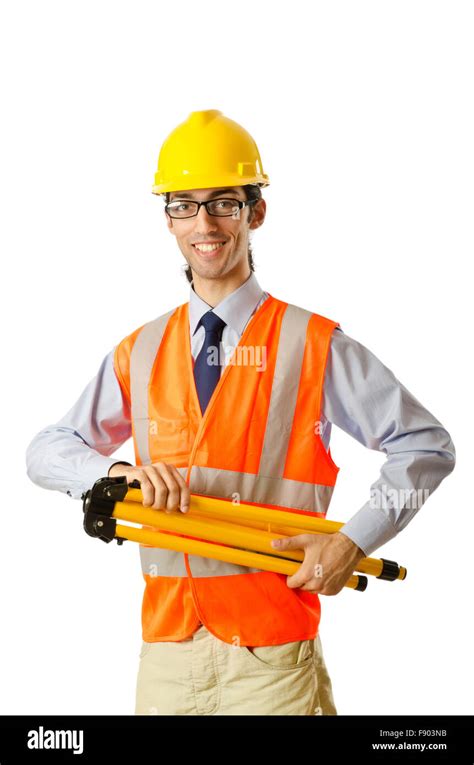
252,191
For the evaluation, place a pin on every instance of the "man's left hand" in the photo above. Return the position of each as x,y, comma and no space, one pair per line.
329,561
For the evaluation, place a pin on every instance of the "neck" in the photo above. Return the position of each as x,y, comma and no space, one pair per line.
212,291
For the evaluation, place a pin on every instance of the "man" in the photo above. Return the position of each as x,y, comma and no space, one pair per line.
233,395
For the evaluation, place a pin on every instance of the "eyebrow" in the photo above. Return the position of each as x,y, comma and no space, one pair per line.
218,193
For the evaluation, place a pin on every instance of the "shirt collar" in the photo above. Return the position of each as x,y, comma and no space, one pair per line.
235,309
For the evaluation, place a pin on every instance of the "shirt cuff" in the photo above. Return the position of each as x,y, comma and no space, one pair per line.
369,528
97,466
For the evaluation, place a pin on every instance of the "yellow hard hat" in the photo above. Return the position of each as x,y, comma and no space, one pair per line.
205,151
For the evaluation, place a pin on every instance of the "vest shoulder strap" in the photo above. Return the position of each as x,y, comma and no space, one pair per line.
123,351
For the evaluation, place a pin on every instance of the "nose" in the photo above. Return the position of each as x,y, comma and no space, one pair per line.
204,221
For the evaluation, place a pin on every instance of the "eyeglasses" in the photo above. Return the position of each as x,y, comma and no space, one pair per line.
222,207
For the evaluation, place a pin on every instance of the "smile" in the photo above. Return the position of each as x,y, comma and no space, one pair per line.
208,247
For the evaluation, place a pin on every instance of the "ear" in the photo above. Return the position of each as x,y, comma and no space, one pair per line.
169,222
259,212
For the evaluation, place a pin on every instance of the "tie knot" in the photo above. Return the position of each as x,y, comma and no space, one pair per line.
212,322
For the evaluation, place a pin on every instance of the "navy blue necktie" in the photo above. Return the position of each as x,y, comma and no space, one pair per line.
206,371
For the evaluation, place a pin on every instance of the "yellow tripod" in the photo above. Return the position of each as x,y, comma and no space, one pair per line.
244,531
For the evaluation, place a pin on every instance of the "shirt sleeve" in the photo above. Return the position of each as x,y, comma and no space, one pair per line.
73,453
364,398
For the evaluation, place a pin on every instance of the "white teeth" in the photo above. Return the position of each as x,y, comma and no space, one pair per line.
208,247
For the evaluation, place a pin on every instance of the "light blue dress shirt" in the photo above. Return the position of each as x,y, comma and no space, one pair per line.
360,395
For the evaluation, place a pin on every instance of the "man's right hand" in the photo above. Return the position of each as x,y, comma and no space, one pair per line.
162,485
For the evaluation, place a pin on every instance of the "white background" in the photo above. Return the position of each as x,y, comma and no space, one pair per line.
364,108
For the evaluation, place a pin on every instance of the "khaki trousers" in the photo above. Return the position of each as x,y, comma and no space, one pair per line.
203,675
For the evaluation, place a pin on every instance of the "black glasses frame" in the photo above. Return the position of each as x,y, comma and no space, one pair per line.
238,202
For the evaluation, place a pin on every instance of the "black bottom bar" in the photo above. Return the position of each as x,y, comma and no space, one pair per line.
101,739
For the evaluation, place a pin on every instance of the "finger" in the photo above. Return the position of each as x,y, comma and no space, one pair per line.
298,542
315,585
301,577
163,472
158,490
146,487
185,491
331,584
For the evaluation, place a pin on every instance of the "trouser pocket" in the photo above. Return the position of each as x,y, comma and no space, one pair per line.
294,655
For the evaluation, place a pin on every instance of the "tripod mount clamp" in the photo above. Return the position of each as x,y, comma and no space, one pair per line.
99,503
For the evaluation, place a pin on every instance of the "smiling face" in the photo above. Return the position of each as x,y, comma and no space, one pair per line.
215,247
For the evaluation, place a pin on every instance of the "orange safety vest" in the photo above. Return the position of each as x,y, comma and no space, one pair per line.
258,441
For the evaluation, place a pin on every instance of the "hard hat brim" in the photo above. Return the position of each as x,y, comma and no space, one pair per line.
203,182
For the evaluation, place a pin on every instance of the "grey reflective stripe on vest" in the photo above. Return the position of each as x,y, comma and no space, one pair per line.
158,562
284,393
247,487
268,487
142,359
